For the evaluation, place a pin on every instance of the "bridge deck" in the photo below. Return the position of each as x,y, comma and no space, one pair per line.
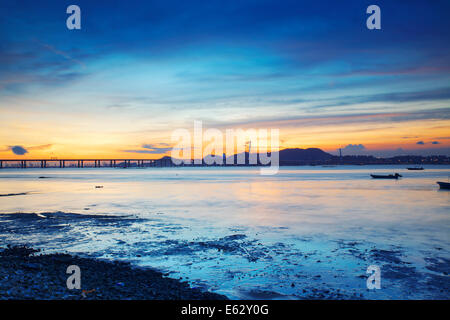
82,163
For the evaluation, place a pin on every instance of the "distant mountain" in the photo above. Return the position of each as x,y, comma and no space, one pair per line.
310,154
295,155
316,156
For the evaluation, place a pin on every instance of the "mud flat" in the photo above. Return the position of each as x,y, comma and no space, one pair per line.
27,274
234,261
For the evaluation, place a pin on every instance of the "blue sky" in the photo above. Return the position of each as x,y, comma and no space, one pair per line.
139,69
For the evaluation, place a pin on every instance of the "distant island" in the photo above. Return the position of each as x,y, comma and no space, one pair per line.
316,156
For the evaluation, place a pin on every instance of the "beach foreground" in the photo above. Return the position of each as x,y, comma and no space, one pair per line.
26,274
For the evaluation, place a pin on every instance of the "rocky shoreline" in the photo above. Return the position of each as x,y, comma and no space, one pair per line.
27,274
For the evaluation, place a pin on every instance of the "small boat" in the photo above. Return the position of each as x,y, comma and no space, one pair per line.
385,176
444,185
415,168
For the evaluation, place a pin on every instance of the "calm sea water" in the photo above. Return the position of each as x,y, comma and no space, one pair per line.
305,232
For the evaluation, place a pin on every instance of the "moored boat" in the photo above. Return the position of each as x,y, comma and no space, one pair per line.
415,168
385,176
443,185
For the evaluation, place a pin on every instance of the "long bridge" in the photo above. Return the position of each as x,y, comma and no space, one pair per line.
84,163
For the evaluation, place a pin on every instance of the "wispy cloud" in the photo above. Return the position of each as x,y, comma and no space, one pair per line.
41,147
62,54
160,148
335,120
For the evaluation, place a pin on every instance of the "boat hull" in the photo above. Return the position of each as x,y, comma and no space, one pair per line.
444,185
374,176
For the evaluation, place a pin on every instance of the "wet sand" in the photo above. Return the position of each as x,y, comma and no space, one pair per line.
27,274
99,244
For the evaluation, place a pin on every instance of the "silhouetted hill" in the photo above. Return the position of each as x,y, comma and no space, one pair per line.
295,155
316,156
310,154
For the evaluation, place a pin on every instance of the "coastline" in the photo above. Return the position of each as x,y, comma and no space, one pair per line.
27,274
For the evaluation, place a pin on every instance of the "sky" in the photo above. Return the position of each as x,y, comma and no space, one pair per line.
138,70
